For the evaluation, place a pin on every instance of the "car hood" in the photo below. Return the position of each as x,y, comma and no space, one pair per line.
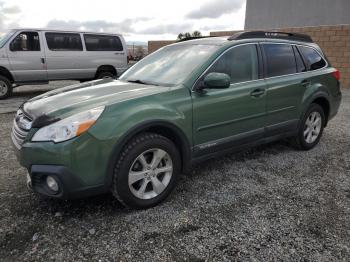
72,99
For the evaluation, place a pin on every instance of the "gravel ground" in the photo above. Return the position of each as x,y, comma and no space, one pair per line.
267,203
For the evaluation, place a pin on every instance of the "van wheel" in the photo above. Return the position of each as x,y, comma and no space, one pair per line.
146,171
5,87
105,74
311,128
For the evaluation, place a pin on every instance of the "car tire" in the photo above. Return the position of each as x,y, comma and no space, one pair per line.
311,128
105,74
5,87
146,171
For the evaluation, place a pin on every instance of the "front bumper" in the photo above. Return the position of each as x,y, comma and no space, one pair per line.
80,165
69,185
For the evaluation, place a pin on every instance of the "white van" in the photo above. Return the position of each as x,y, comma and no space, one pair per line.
34,56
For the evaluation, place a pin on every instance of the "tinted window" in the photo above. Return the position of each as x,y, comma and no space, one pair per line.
280,59
240,63
26,41
102,43
313,59
63,42
300,63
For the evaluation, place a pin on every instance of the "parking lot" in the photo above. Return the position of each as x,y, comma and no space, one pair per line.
268,203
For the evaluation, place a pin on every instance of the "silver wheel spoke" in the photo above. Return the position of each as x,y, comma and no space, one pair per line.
309,137
163,169
158,186
136,176
306,131
143,161
142,189
157,157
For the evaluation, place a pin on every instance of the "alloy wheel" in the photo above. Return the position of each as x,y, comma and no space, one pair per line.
312,127
150,173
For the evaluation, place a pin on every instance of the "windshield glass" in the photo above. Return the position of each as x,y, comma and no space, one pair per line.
5,37
170,65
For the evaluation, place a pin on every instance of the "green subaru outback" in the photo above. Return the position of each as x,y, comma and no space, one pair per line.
185,103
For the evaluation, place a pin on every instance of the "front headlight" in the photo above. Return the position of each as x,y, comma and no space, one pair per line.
69,127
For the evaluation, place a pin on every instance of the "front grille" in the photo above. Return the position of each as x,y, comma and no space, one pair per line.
20,128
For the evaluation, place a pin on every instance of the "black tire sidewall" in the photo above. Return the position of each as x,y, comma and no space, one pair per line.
105,74
9,87
121,184
301,138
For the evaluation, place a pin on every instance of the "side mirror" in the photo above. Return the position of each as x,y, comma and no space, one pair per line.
217,80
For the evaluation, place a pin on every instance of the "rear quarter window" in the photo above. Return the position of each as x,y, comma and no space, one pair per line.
102,43
280,59
313,59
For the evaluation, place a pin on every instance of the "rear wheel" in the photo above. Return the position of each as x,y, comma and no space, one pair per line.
311,128
105,74
5,87
146,171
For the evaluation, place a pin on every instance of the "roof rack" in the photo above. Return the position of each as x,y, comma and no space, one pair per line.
274,35
192,38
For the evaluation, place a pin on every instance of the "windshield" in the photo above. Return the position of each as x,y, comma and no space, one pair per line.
5,37
170,65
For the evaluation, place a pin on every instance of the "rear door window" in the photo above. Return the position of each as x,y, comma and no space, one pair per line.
63,42
280,59
312,57
26,41
240,63
102,43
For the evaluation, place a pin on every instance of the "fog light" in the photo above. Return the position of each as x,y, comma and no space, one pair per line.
52,183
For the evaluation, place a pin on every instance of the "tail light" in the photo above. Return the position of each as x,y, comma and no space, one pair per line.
336,74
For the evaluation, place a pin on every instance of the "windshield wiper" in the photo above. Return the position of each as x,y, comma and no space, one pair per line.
137,81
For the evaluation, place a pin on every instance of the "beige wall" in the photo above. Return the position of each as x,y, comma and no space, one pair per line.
155,45
334,41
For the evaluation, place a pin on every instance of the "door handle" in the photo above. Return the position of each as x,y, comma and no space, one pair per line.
305,83
257,92
42,60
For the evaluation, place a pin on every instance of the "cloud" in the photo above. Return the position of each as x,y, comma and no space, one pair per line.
216,8
5,12
125,26
167,29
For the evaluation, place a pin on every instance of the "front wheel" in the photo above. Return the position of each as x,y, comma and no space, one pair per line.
146,171
5,87
311,128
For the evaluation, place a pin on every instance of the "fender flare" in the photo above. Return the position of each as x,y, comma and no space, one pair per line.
186,152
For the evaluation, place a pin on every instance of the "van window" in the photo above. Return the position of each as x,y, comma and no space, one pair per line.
63,41
313,59
240,63
280,59
26,41
300,62
102,43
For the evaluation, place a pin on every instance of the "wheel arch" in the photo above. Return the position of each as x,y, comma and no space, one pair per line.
324,103
322,99
5,72
108,68
164,128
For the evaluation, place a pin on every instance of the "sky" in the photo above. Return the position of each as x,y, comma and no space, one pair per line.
137,20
